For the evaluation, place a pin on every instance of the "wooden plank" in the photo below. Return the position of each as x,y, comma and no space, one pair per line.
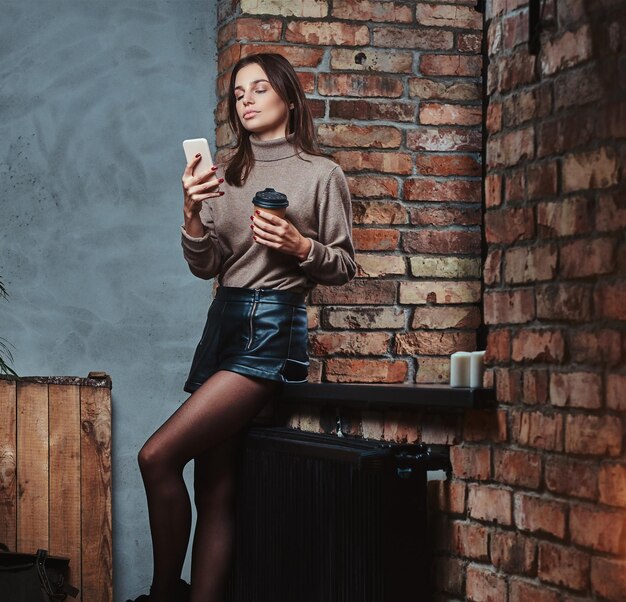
8,464
97,564
64,404
32,466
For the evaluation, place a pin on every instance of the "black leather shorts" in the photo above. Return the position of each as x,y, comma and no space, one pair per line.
255,332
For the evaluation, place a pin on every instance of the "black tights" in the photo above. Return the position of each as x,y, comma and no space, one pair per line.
208,429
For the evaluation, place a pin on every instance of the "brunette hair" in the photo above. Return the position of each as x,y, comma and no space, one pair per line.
286,84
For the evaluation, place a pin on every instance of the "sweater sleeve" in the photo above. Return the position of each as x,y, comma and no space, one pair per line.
331,258
203,254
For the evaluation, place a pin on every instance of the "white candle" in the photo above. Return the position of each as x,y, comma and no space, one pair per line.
460,369
477,369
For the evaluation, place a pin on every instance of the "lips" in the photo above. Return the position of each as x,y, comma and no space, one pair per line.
249,114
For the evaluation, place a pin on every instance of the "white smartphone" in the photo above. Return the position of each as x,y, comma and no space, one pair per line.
194,146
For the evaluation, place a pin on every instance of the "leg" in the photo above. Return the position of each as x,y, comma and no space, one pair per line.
224,404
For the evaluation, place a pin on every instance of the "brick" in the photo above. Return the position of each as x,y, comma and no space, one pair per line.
443,139
296,55
440,430
596,528
538,346
565,133
576,389
612,484
443,317
498,347
359,85
471,462
508,383
357,135
374,266
615,388
446,15
541,180
356,292
596,346
450,495
588,170
512,552
349,343
313,317
525,106
317,108
326,33
493,191
563,566
373,187
387,162
433,342
228,57
429,89
492,504
366,371
515,185
447,165
608,578
425,291
431,213
485,425
567,50
371,59
450,64
441,241
433,370
493,267
610,213
470,540
430,266
522,591
484,585
433,113
537,430
515,306
224,135
299,8
258,30
509,225
366,10
535,387
515,29
609,300
375,239
378,213
469,42
515,71
565,218
593,435
371,109
307,81
540,515
530,264
564,302
518,468
582,258
571,477
494,117
449,575
418,38
363,318
509,149
426,189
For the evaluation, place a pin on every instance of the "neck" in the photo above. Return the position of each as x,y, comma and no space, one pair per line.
273,150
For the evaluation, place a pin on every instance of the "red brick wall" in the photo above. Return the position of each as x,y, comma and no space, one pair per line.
395,89
536,508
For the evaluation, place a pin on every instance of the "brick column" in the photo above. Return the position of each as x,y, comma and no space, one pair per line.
537,506
395,90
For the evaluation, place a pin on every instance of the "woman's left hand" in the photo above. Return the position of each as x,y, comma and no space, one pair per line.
280,234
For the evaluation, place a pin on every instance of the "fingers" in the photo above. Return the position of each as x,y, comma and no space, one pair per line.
203,187
191,165
188,175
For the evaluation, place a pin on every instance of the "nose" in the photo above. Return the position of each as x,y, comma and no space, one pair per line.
248,97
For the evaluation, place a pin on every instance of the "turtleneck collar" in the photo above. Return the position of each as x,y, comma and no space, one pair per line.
273,150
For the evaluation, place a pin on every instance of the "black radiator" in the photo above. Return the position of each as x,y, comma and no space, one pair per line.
321,518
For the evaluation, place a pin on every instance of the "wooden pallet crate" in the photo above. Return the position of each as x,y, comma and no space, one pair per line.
55,474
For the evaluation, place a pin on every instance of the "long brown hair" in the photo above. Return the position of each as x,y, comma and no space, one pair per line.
286,84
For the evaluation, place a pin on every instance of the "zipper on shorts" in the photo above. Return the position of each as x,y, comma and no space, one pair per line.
254,304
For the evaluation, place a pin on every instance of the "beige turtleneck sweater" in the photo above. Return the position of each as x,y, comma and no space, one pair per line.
319,207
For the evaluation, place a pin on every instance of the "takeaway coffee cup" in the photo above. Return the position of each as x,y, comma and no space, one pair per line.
272,201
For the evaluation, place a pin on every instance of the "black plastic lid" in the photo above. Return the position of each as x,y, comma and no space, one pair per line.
270,199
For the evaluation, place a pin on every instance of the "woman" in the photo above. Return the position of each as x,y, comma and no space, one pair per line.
256,332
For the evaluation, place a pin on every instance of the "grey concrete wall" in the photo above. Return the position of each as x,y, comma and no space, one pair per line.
95,101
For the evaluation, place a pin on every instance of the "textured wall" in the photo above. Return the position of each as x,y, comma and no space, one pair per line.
96,99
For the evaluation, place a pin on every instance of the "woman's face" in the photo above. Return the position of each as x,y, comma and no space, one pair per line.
260,109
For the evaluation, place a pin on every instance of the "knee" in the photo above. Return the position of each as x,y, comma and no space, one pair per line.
149,460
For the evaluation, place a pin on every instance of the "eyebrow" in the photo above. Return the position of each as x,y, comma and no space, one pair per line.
256,81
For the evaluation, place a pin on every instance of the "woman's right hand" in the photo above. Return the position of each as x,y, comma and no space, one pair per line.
195,190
